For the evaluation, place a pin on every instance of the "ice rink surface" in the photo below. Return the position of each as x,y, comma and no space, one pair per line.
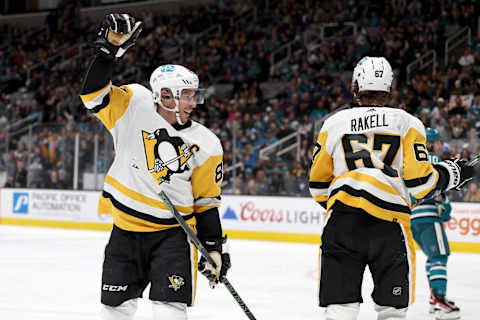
54,274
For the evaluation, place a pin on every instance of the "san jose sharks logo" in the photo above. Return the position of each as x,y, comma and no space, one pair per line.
166,155
175,282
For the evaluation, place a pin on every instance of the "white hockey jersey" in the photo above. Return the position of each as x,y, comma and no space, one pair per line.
372,158
185,160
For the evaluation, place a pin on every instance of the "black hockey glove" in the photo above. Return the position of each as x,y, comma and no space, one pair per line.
221,257
460,173
117,33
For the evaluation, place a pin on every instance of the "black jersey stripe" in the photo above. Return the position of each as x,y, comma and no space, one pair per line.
319,185
323,204
371,198
105,102
141,215
412,183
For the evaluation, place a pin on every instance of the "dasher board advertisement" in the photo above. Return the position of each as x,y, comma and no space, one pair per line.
54,205
272,214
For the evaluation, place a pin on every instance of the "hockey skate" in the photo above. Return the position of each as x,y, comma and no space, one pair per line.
442,308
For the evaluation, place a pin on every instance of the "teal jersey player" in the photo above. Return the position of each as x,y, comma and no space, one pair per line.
427,220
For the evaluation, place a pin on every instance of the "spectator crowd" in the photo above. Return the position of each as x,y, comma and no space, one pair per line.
254,101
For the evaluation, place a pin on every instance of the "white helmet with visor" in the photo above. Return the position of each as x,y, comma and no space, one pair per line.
175,79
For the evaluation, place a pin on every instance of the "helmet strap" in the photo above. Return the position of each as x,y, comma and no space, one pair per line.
176,110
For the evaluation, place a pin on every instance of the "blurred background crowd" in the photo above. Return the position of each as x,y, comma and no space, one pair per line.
273,71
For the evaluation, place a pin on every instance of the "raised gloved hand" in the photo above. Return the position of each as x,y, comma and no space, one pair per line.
117,33
221,257
460,172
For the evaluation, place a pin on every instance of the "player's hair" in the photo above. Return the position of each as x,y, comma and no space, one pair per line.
374,97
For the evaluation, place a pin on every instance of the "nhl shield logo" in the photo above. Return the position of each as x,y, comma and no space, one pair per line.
166,155
397,291
175,282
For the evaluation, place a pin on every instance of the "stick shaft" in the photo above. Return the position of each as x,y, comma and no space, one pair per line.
205,253
139,165
186,228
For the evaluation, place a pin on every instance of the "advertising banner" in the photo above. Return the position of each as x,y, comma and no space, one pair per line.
464,226
272,214
43,204
248,217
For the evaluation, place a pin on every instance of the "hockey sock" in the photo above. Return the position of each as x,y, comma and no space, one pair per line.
347,311
125,311
390,313
169,310
437,278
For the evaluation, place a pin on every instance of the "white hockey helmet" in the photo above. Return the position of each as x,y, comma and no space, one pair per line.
174,78
373,74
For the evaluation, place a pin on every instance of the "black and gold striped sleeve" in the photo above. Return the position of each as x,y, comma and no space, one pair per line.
108,104
321,171
419,175
106,101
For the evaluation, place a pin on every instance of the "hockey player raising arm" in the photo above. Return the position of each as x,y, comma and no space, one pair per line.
146,244
366,162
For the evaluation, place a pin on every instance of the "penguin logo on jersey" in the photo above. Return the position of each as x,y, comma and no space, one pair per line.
175,282
166,155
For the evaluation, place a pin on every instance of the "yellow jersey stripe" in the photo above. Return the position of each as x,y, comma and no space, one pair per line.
411,247
320,198
132,194
128,222
361,177
91,96
425,192
199,208
369,207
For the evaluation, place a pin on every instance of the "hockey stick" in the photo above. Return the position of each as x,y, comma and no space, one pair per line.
191,235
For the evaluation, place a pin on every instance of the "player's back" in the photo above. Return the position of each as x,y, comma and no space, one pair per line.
369,155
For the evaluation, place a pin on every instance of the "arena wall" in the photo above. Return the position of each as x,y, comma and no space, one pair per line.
290,219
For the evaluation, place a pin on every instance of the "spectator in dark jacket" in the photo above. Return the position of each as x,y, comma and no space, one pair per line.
20,180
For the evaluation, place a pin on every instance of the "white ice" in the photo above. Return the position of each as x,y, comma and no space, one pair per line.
54,274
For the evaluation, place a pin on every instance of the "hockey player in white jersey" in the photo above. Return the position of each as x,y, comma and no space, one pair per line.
367,161
146,244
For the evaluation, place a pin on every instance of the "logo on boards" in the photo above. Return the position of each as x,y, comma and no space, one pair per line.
21,202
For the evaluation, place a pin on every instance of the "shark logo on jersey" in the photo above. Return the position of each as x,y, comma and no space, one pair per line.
175,282
166,155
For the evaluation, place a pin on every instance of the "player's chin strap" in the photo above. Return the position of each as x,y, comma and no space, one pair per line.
176,110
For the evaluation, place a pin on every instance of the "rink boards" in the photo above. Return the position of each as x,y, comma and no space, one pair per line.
292,219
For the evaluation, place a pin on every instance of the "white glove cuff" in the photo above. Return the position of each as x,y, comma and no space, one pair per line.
453,172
